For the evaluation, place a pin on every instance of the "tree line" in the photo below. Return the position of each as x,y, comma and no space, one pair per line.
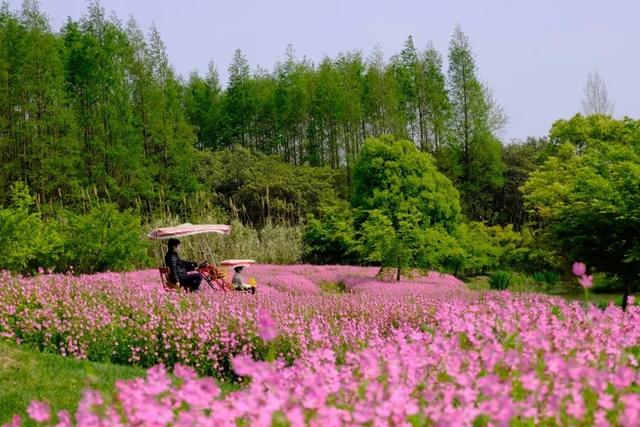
96,107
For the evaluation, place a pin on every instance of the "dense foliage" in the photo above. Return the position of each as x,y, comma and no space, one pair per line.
398,194
588,196
97,107
256,187
404,213
25,240
103,238
99,240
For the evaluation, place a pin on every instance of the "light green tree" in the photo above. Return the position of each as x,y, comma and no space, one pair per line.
590,201
398,195
436,109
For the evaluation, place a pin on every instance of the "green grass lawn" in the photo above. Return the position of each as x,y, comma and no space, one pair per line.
26,374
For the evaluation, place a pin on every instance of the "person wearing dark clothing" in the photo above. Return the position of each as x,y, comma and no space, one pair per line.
178,268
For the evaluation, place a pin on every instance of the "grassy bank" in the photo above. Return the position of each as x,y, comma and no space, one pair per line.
26,374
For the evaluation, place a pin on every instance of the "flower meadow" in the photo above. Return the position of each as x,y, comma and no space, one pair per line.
420,352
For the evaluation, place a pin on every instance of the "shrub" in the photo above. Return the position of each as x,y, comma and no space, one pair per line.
606,283
530,251
260,187
104,239
500,280
487,248
443,252
27,241
330,237
548,277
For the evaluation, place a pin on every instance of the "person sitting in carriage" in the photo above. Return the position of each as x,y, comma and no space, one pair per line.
182,273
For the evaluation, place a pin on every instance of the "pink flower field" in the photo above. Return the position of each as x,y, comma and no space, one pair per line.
424,351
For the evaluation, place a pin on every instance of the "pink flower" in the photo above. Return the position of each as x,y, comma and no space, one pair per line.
631,414
579,269
39,411
266,325
243,365
586,281
40,270
184,372
16,421
64,419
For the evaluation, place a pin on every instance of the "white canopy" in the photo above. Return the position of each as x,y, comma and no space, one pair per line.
233,263
188,230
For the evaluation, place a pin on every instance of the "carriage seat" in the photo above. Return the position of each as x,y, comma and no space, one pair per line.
166,283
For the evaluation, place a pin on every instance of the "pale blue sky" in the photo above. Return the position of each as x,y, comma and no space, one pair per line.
535,55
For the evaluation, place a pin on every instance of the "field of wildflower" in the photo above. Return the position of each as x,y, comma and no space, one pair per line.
420,352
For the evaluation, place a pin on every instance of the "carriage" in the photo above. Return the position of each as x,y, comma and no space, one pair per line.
216,276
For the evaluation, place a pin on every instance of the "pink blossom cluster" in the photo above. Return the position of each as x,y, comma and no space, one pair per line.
500,360
129,318
579,269
422,351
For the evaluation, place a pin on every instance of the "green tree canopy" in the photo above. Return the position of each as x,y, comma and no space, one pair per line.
584,131
398,195
591,202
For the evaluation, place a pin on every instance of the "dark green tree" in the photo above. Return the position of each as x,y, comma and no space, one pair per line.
292,104
203,107
474,161
238,102
96,55
39,144
520,160
330,237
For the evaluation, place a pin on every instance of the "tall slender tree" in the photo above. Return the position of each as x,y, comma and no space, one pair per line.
380,101
292,103
476,159
437,108
203,107
238,108
350,68
406,68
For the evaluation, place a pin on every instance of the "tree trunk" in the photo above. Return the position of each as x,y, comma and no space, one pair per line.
398,274
627,291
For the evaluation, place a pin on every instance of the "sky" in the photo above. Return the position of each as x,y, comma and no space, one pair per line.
535,55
